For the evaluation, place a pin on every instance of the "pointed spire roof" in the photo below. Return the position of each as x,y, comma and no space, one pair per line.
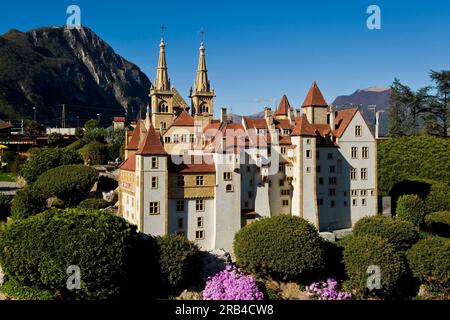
183,120
152,144
202,82
283,107
314,97
162,79
136,137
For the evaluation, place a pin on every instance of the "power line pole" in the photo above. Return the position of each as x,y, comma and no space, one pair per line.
78,121
63,116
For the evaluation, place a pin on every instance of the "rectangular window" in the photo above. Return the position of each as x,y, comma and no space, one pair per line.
283,150
166,139
363,193
154,163
354,202
180,205
354,193
318,155
308,153
285,203
199,234
345,203
332,203
332,180
308,169
154,208
176,138
318,169
199,205
308,141
330,156
199,181
281,182
191,138
281,168
180,181
320,180
363,173
227,176
332,192
199,222
353,174
364,201
320,202
332,169
180,223
358,131
229,188
154,182
250,195
354,152
285,192
365,152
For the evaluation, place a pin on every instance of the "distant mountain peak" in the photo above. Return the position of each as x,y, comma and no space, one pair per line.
373,89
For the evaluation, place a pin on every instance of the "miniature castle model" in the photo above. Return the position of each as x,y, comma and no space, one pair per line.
204,178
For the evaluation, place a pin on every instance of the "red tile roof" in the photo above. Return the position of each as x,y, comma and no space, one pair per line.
152,144
129,164
303,127
135,138
343,119
195,164
314,97
283,107
183,120
285,140
283,124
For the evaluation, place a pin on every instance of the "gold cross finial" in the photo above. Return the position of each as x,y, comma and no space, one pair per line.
202,34
162,31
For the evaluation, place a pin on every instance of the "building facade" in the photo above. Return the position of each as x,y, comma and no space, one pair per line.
187,173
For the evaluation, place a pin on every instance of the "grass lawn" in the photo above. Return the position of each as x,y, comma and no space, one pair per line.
8,176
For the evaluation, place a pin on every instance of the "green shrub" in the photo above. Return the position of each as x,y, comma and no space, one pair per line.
439,198
401,234
13,161
71,183
27,202
364,251
54,139
439,223
37,252
411,208
94,203
74,146
46,159
180,262
5,206
282,247
13,290
429,260
95,153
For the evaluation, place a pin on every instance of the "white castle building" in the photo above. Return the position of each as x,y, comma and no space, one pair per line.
187,173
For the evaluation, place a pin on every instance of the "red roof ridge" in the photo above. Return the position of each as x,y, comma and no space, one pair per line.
152,144
314,97
283,107
184,119
135,138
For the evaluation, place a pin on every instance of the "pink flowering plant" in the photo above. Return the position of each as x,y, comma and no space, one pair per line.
327,290
232,284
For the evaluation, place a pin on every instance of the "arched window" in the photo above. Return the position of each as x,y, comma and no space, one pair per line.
163,108
204,108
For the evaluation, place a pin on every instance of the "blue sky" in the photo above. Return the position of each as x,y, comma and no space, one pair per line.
257,50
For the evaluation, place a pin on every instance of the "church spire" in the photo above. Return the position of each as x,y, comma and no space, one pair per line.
162,79
201,82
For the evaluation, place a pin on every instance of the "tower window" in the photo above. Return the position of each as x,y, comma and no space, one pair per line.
364,173
354,152
199,181
163,108
180,181
358,131
154,163
180,205
204,109
180,223
200,235
365,152
353,174
154,182
229,188
200,205
154,208
199,222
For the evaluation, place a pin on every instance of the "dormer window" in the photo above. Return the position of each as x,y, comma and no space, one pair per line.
261,131
286,132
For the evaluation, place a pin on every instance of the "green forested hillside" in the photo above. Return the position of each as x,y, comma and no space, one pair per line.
422,157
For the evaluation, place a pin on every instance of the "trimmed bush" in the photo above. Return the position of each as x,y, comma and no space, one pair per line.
37,251
439,223
282,247
5,206
429,260
180,262
94,203
12,289
411,208
44,160
401,234
439,198
363,251
54,139
27,202
70,183
95,153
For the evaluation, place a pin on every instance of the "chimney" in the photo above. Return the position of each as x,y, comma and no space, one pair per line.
297,113
332,118
223,115
268,116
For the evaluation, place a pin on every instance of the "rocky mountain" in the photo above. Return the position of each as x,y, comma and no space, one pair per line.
373,96
48,67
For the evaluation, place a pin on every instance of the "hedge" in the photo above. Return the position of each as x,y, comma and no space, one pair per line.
46,159
368,250
401,234
12,289
429,260
282,247
71,183
179,261
95,153
411,208
93,203
37,251
27,202
439,223
5,206
439,198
